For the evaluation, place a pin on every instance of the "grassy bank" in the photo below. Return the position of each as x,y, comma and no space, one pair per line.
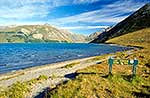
15,87
94,81
140,39
20,89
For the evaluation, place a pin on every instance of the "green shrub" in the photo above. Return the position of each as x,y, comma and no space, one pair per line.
42,77
71,65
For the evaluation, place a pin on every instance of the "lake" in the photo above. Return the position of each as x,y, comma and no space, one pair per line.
18,56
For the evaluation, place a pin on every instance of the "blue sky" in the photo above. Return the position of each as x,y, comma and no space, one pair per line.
79,16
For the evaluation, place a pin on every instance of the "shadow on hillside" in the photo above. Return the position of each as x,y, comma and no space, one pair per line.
107,76
141,95
109,43
70,76
128,78
139,47
43,94
73,75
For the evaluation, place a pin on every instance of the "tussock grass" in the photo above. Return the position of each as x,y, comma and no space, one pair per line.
20,89
95,82
71,65
17,90
139,38
42,77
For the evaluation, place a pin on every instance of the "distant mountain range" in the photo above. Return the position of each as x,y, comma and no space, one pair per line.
138,20
96,34
37,33
93,36
47,33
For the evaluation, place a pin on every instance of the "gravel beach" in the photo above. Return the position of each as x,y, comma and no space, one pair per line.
49,70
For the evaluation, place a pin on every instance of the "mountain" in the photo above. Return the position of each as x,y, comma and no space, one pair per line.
96,34
37,33
93,36
139,38
138,20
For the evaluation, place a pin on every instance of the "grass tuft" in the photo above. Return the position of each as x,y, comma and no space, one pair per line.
95,81
20,89
71,65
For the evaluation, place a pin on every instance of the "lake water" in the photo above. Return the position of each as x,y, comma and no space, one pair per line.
20,56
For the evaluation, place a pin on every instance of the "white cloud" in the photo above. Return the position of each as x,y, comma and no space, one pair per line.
23,9
84,1
13,22
93,16
14,11
23,12
84,27
19,9
109,13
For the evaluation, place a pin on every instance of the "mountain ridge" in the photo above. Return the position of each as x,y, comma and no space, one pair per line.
38,33
136,21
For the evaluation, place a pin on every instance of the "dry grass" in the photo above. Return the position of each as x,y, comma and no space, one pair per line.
71,65
139,38
20,89
94,81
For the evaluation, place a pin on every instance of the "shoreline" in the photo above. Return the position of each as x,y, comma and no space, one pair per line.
55,72
42,67
57,64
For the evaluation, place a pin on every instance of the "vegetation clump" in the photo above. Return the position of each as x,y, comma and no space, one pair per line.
71,65
20,89
95,82
17,90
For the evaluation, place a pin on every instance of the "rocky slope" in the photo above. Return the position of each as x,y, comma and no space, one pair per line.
37,33
96,34
138,20
93,36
